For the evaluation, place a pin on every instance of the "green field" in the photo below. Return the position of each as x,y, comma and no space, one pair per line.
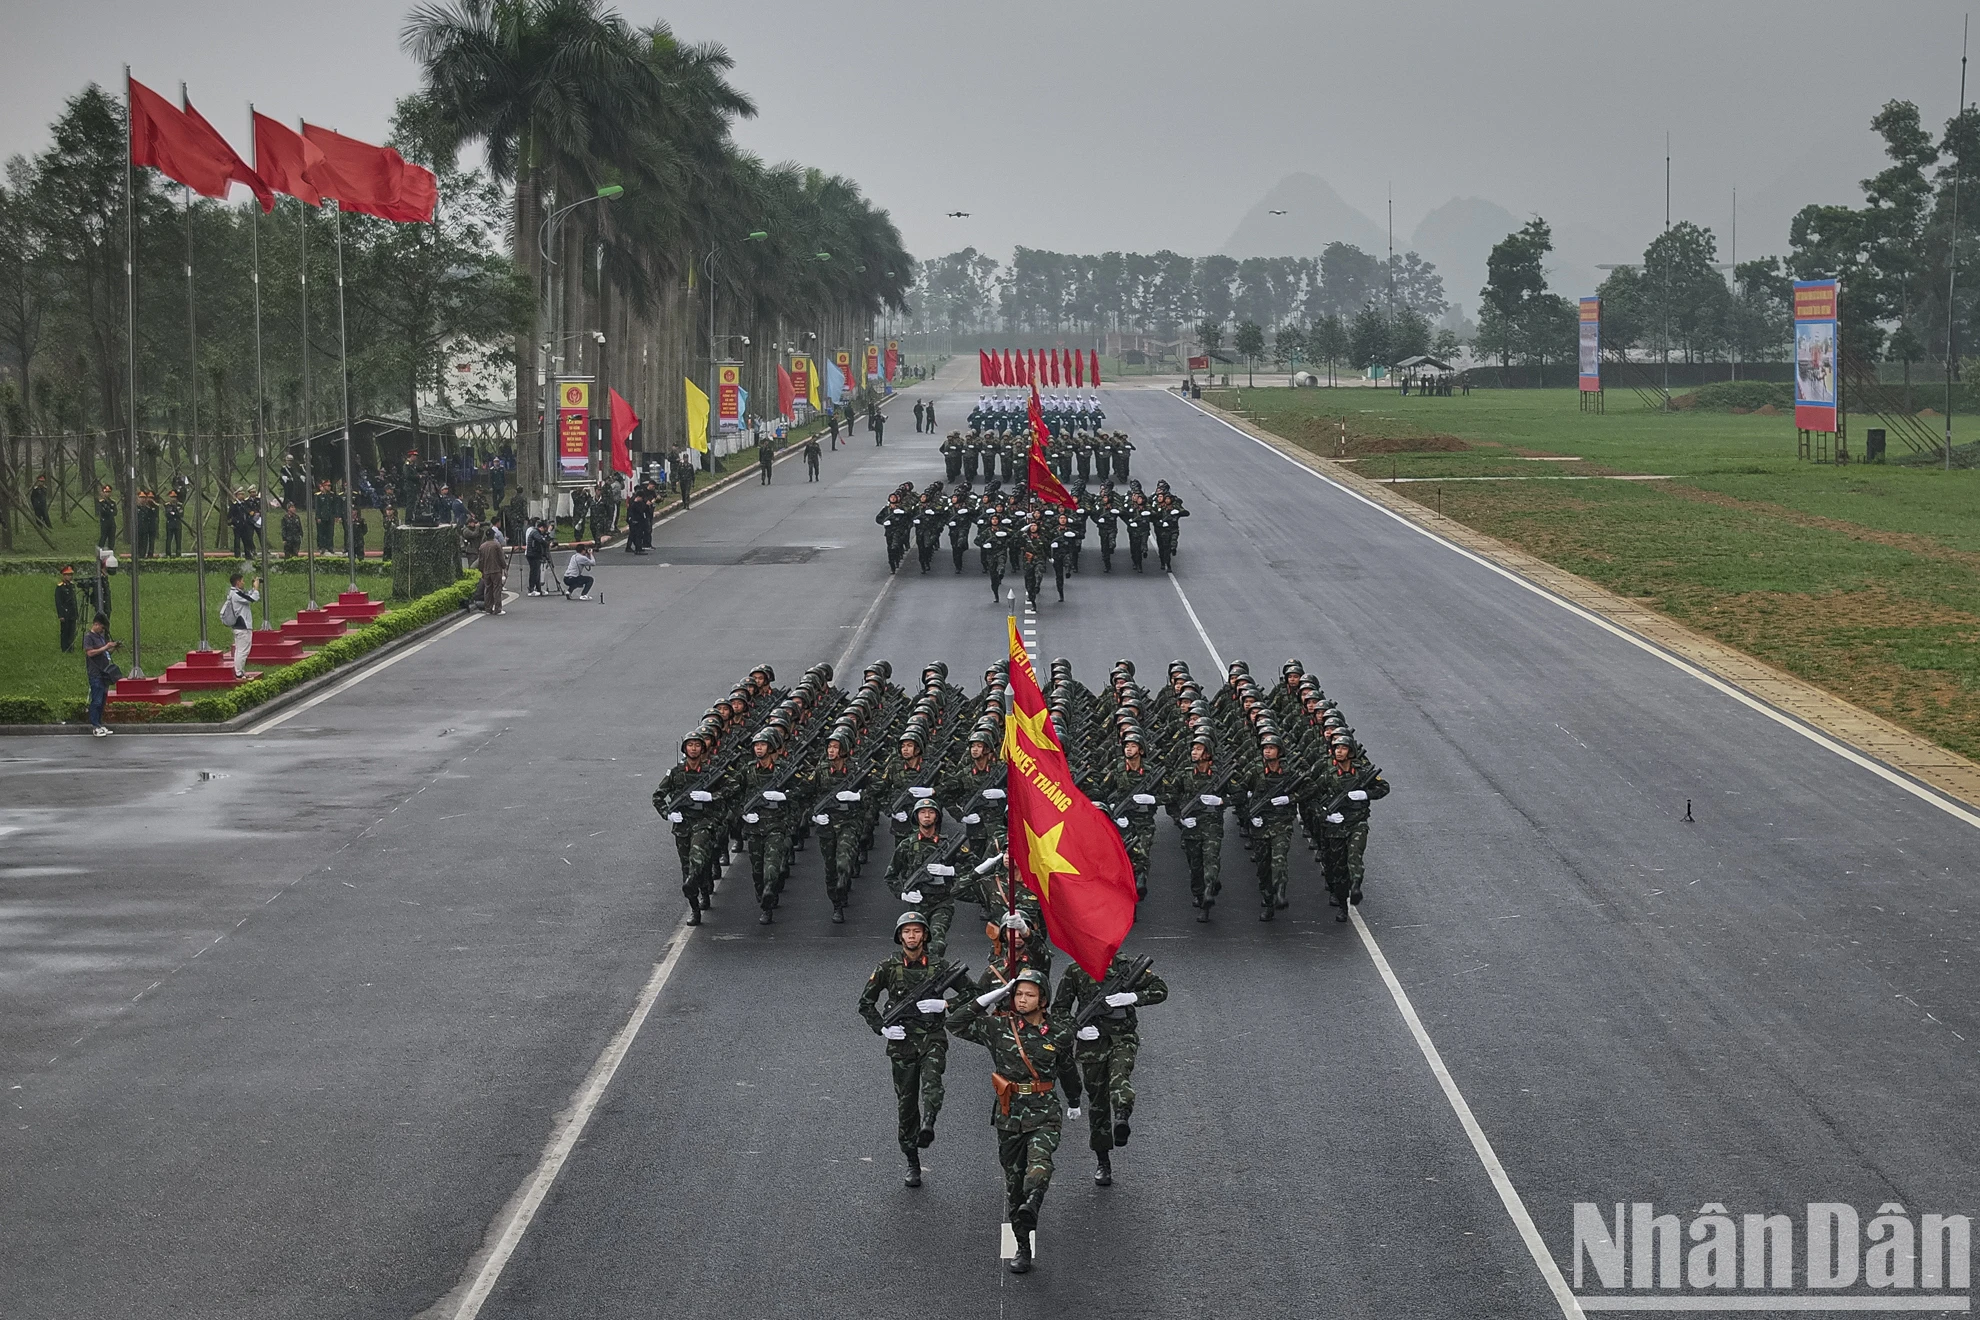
31,660
1864,579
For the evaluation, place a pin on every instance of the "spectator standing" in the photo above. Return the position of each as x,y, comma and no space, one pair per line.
536,553
494,566
103,671
237,613
811,457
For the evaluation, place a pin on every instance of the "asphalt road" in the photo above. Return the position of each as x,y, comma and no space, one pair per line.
287,1020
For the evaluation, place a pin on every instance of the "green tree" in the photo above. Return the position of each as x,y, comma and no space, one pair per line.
1210,334
1289,345
1684,300
1515,279
1250,341
1368,338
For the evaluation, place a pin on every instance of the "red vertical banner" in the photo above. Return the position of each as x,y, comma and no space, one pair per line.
1094,368
1009,376
728,397
873,361
842,359
801,378
982,368
893,359
1053,354
573,430
1079,370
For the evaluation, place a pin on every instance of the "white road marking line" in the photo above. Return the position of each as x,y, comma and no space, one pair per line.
521,1210
356,678
1919,791
865,622
1480,1144
1007,1238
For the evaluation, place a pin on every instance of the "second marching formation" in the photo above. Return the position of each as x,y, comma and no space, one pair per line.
924,773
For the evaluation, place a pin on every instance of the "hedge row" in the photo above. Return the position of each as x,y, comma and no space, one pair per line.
225,705
327,566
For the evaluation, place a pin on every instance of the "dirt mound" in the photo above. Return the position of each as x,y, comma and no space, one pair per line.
1928,412
1404,444
1766,410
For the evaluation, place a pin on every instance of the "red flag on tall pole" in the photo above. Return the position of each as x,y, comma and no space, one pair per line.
786,394
1062,847
1038,473
1079,369
1066,357
623,422
163,138
1010,369
1058,359
284,158
982,367
1094,371
371,180
237,169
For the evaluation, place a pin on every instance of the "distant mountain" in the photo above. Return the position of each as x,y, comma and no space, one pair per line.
1315,215
1457,237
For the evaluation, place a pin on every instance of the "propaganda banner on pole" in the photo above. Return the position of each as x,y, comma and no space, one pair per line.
801,382
893,359
1591,345
728,397
842,358
873,362
1815,347
574,431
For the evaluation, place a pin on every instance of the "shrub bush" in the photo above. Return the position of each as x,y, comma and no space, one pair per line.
1726,395
25,710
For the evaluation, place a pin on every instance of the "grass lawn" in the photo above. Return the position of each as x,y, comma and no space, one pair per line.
1862,579
31,660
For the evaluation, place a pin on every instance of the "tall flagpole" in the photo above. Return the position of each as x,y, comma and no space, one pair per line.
309,417
192,422
130,361
344,371
260,401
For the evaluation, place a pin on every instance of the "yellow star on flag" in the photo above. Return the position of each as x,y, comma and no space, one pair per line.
1045,858
1036,727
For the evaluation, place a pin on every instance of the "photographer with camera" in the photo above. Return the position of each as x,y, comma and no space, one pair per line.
237,613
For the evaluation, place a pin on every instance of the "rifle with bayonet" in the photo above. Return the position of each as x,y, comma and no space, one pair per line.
1125,979
1353,784
956,978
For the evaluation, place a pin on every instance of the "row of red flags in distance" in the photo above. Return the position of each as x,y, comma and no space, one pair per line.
1037,366
314,165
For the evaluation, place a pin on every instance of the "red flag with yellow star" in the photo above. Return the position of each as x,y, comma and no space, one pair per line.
1038,474
1062,846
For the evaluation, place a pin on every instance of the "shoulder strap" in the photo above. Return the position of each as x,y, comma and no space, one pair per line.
1017,1039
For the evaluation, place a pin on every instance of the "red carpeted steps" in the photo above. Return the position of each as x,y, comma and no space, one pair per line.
143,691
314,626
355,607
201,670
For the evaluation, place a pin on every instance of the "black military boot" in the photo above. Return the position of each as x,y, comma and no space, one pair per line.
838,914
1265,913
926,1137
694,909
913,1178
1104,1175
1021,1262
764,920
1121,1132
1204,913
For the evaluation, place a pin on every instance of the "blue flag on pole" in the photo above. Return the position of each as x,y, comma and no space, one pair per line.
835,382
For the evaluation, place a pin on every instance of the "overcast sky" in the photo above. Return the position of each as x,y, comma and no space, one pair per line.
1104,125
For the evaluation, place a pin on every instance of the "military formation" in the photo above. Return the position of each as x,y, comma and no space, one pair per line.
919,772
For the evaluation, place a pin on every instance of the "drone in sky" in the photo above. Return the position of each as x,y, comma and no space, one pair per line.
1278,213
964,215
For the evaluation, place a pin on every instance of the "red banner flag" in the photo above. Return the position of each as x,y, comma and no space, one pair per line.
786,395
1079,370
284,159
1063,848
370,180
623,422
982,367
237,169
1038,475
1009,375
1058,360
1094,369
163,138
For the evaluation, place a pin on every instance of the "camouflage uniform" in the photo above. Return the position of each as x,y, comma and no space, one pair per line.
917,1061
1343,835
1028,1126
698,829
1106,1065
1123,789
768,837
1202,825
909,875
1272,825
841,829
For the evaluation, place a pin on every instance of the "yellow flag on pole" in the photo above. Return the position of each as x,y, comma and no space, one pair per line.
697,417
811,384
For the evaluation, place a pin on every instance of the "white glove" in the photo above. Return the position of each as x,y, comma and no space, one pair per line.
995,794
1281,800
1072,1112
922,792
1257,821
1211,800
941,868
1089,1033
972,819
1145,799
749,818
701,795
674,816
848,795
910,896
1358,795
900,815
932,1005
894,1033
990,997
821,820
1188,822
772,795
1121,821
1335,818
1125,999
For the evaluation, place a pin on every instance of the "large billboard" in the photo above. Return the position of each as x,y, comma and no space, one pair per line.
574,430
1815,364
728,397
1591,346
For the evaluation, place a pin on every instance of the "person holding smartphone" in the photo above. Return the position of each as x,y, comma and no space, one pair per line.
237,612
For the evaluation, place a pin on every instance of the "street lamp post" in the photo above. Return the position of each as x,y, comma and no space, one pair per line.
546,241
708,269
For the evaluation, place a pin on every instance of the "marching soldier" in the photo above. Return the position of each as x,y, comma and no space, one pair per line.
1031,1056
1199,811
766,818
1106,1049
1134,790
695,802
918,1046
1271,800
973,792
992,541
916,877
1343,832
1168,513
961,516
841,816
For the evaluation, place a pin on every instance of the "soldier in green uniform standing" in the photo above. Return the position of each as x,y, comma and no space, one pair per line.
1106,1049
917,1048
916,878
175,522
1271,798
1031,1057
106,518
694,799
1199,812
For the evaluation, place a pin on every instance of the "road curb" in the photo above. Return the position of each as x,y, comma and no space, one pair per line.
1907,753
